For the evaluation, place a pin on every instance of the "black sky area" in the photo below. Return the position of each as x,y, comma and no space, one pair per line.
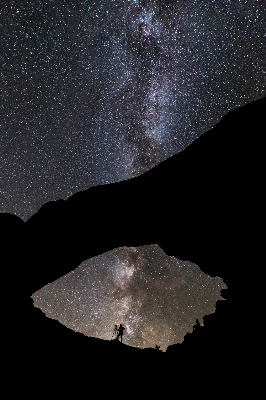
94,92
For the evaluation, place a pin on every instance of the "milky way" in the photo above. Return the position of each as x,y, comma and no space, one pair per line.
94,92
157,298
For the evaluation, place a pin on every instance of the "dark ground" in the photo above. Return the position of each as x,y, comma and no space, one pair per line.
205,205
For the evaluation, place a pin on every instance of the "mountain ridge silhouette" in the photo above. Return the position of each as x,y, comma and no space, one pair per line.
204,205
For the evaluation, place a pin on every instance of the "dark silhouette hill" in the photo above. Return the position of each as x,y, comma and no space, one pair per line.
205,205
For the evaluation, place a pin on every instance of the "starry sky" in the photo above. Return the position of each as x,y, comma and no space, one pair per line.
94,92
156,297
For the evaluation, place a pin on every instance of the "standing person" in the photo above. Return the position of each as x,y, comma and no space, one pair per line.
120,332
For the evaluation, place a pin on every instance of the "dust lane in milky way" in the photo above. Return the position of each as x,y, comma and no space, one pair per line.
94,92
157,298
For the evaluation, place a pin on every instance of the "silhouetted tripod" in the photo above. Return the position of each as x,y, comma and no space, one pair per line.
115,332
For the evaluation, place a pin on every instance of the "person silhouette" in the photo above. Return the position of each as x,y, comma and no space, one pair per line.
120,332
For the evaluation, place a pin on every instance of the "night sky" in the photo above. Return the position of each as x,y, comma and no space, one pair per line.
157,298
94,92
